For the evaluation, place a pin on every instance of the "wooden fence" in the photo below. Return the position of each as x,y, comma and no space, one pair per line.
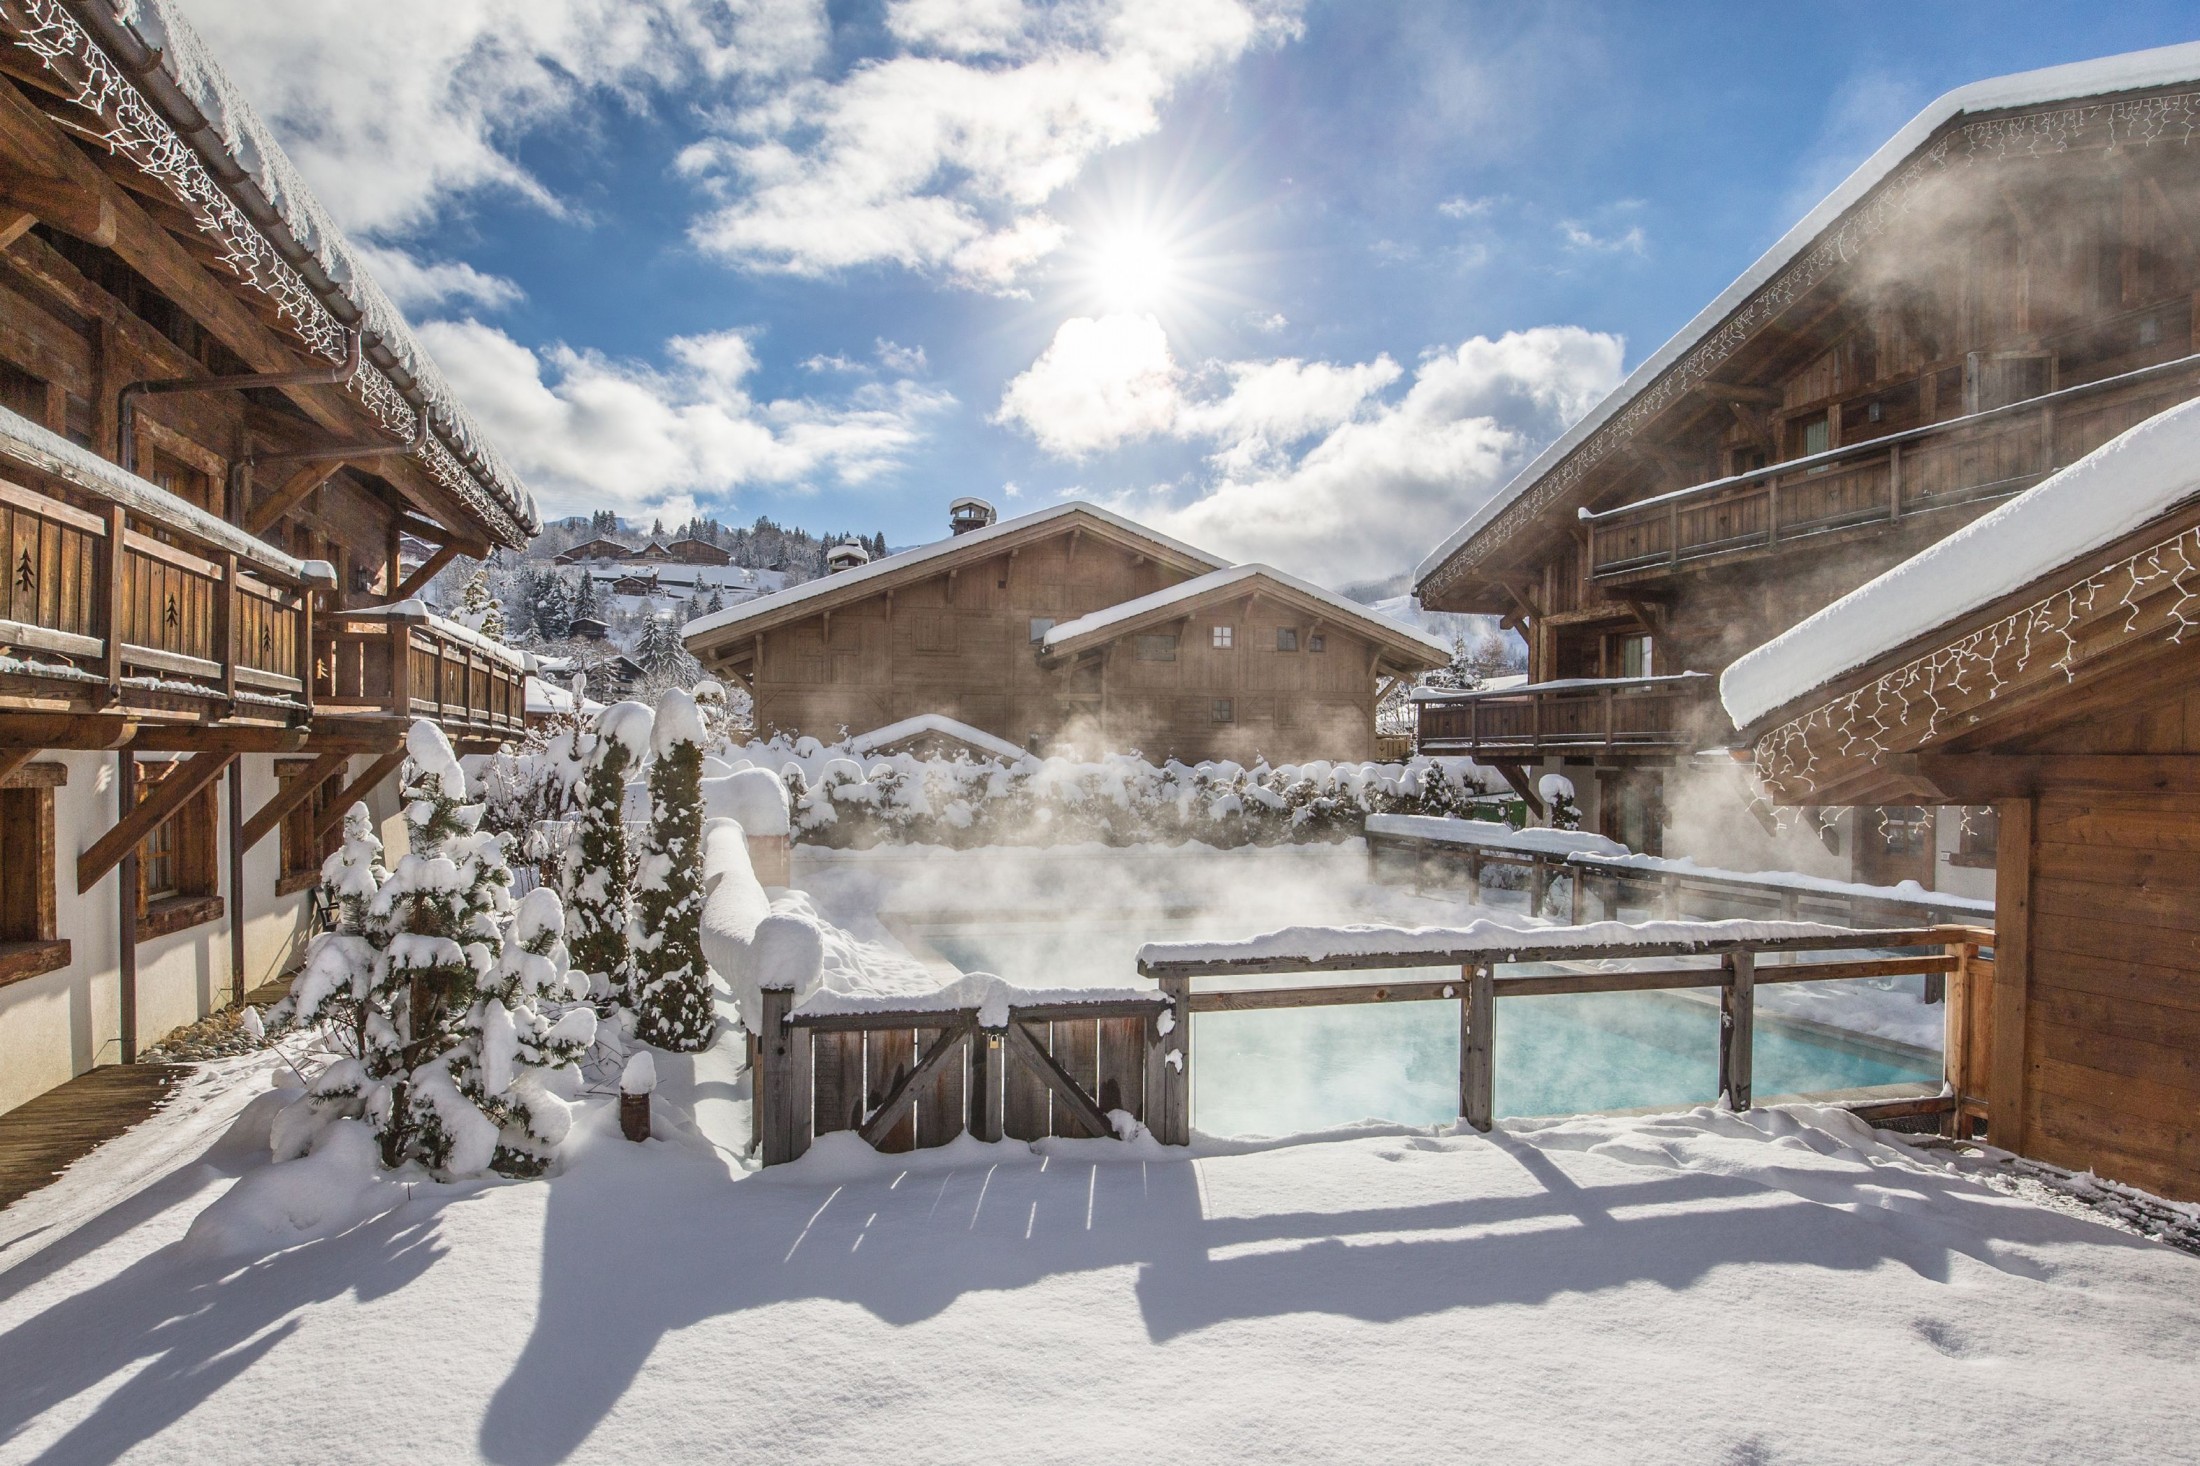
1479,984
1603,713
417,666
915,1079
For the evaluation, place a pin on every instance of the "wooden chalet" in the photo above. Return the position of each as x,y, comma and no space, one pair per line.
2007,284
1070,628
2044,667
698,552
589,550
217,438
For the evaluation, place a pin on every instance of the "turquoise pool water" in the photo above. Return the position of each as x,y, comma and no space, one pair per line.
1302,1069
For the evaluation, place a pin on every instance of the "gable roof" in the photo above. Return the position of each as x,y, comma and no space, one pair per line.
796,602
1114,622
1695,350
2064,521
595,550
174,115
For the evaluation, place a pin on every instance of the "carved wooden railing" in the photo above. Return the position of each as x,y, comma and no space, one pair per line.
1601,713
117,592
406,663
1964,461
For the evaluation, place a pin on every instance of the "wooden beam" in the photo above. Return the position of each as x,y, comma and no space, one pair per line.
1517,776
185,778
356,790
90,217
424,572
65,730
12,759
2012,973
292,792
289,496
1737,392
202,737
1983,778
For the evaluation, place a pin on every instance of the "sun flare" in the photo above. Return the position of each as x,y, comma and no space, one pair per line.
1133,270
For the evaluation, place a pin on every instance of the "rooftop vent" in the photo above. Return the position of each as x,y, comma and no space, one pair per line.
846,556
965,515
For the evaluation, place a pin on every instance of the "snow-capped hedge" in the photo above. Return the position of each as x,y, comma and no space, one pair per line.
843,800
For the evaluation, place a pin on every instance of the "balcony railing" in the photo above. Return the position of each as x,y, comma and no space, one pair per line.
1964,461
119,594
1651,714
402,662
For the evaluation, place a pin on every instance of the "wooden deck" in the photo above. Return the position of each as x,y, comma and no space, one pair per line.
40,1139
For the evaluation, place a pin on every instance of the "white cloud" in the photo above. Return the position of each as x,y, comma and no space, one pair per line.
1267,322
416,284
1099,384
1627,241
588,432
1465,208
1311,465
908,361
394,108
942,158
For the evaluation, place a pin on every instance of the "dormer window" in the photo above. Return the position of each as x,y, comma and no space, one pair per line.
1224,637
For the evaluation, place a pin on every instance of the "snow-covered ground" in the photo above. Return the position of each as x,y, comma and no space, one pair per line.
1688,1288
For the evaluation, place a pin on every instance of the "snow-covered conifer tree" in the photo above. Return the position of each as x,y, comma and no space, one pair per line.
598,876
479,609
671,982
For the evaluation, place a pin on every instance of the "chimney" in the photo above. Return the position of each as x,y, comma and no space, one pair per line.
845,556
965,515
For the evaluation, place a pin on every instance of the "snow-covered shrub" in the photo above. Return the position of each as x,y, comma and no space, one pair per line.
446,1023
670,982
1558,795
839,800
598,875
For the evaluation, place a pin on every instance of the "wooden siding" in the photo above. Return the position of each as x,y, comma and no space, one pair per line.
2111,1039
963,647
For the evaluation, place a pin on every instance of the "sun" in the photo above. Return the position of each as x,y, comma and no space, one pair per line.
1133,270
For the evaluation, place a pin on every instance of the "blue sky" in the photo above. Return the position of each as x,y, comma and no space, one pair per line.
1300,282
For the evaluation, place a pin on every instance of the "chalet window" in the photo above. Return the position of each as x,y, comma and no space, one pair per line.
1317,643
302,854
1158,647
28,914
1816,437
1040,626
1745,460
1225,710
1634,656
1224,637
1978,837
177,868
1901,829
182,480
1287,638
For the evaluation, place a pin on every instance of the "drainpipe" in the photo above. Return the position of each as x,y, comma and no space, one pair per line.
235,775
126,902
126,399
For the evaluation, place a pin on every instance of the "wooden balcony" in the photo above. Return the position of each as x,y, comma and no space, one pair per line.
1881,482
1605,715
397,663
128,603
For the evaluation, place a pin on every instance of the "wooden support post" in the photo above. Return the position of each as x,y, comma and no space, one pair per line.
1737,1027
225,626
782,1088
1477,1060
2005,1119
1169,1084
424,572
126,906
1576,904
400,695
289,795
141,819
1539,885
1955,1043
236,911
289,496
985,1084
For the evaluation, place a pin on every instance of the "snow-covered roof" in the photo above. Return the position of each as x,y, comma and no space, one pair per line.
1199,587
175,115
896,566
1489,834
2132,71
1518,683
2123,484
935,723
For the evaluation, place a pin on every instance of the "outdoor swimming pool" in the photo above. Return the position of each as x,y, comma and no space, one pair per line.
1285,1071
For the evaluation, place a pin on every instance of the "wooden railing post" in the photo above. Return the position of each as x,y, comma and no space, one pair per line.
1539,884
225,624
1894,481
1608,698
781,1087
987,1057
1737,1024
1169,1085
1477,1067
400,696
1673,533
1955,1061
1575,904
1772,511
117,525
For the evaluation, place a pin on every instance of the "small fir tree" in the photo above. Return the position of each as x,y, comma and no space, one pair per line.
554,609
671,982
479,609
598,876
584,598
